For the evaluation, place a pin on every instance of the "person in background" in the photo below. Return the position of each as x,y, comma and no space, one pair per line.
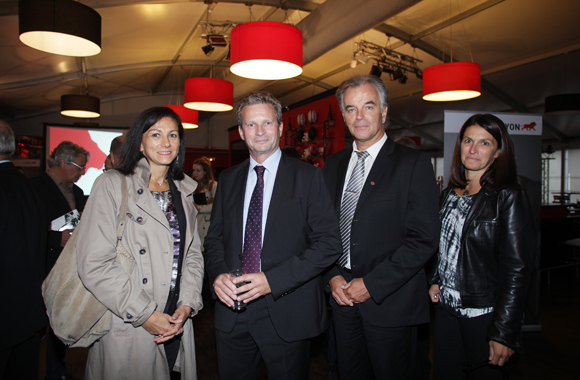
385,195
107,165
115,150
272,218
485,259
151,331
58,192
23,229
204,194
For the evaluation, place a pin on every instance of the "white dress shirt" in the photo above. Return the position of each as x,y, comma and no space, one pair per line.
271,165
373,152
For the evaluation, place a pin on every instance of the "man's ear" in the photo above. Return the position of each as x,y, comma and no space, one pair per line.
241,132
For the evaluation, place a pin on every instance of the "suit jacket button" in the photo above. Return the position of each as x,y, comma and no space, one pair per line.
140,191
142,251
139,219
129,316
144,280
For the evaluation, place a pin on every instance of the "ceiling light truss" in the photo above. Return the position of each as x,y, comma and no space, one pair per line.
396,64
216,34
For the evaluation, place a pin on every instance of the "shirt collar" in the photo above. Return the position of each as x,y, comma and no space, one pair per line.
374,149
271,163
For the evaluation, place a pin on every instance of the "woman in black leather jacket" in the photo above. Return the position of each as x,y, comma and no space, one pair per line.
485,256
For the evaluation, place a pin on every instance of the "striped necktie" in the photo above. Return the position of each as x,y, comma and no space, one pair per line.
349,201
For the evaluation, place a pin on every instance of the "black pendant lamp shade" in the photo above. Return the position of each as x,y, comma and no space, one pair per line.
63,27
83,106
562,104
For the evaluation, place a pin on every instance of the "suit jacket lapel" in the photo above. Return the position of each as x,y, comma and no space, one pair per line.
381,166
282,185
238,201
342,169
56,193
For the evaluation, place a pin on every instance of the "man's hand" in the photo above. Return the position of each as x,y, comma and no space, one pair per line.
256,286
356,291
498,353
65,236
434,293
336,284
224,288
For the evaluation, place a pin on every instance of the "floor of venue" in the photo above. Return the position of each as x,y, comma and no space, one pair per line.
552,353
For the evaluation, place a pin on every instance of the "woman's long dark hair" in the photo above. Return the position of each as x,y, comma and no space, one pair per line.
207,179
131,150
503,171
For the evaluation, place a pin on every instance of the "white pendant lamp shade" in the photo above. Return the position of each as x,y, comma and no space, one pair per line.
266,50
63,27
82,106
209,94
189,118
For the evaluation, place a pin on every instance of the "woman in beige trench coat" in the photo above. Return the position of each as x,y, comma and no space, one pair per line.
151,330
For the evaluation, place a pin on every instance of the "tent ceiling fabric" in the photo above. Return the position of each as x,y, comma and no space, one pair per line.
527,49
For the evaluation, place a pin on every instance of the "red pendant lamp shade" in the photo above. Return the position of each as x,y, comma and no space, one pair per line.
209,94
189,118
266,50
452,81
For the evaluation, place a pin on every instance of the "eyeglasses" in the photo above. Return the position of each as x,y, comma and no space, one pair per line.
83,168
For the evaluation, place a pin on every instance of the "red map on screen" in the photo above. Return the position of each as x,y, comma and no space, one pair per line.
82,138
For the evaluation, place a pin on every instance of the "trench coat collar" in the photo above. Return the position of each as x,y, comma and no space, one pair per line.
186,186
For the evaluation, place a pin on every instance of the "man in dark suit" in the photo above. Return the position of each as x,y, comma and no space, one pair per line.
387,200
57,190
273,218
23,227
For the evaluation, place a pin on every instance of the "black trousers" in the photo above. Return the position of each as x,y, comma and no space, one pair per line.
21,360
461,348
371,352
253,339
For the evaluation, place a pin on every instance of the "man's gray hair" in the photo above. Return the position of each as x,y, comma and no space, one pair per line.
7,145
358,81
261,97
67,151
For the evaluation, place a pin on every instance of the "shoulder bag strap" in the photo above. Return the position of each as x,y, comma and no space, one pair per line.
123,211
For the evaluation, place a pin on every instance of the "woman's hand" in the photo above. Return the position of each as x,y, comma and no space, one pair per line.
180,317
434,293
498,353
163,326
